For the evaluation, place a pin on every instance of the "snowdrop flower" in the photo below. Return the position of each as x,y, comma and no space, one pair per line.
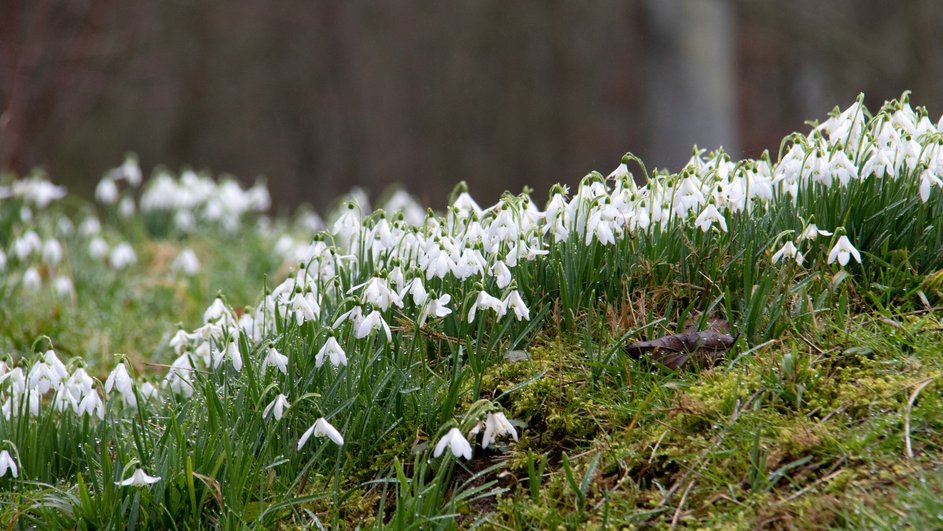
497,425
13,404
515,303
126,207
332,351
107,191
439,266
709,216
64,398
186,262
26,245
63,286
842,251
138,479
501,273
3,260
91,404
348,224
97,248
31,279
52,252
812,232
880,165
321,428
622,170
58,368
129,170
232,352
215,312
418,291
42,378
435,307
378,293
486,301
928,179
466,204
7,464
599,227
149,391
470,263
372,323
122,256
277,407
275,359
842,167
179,377
305,308
788,250
119,380
89,227
456,443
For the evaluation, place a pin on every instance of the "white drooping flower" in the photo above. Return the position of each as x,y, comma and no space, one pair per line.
138,479
106,192
812,232
179,378
7,464
32,281
63,286
52,252
275,359
371,323
843,251
332,351
497,425
928,179
119,380
418,291
122,256
91,405
515,303
485,301
277,407
501,273
436,307
788,250
216,311
89,227
98,248
126,207
709,216
54,363
186,262
321,428
456,442
378,292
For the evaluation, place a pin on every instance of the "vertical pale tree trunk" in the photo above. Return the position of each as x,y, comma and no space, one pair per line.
691,83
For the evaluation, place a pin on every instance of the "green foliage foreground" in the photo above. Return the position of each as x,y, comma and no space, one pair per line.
412,370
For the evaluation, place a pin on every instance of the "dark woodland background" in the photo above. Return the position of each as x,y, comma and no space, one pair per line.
319,96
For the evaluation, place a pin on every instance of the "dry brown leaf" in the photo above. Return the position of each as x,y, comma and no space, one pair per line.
677,350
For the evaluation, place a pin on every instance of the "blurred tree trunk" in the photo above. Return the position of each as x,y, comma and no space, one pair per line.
691,85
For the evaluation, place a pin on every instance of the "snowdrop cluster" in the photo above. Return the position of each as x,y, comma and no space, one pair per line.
49,383
495,424
192,198
378,277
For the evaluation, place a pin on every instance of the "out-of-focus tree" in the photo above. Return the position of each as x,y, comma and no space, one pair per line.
320,95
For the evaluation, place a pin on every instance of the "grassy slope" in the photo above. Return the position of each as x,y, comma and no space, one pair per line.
808,431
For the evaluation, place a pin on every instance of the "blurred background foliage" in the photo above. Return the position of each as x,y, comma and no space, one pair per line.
319,96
